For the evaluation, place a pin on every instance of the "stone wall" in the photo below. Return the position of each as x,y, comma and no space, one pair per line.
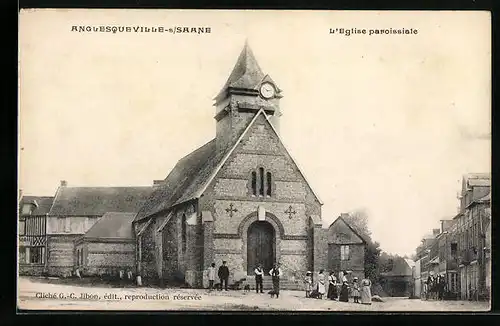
60,254
355,263
225,223
31,269
108,257
148,256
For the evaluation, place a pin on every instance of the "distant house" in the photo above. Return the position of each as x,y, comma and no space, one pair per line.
33,212
108,246
346,249
398,282
471,234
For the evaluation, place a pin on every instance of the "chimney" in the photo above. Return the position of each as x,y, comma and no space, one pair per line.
64,183
157,182
436,231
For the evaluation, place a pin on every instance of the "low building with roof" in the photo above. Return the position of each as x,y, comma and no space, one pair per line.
108,247
346,249
398,282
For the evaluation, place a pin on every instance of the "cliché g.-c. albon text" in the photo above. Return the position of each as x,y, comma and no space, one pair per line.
375,31
141,29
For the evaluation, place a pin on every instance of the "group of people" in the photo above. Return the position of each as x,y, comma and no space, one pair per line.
435,287
338,288
222,274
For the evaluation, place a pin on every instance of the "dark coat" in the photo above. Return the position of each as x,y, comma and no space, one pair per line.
223,272
344,293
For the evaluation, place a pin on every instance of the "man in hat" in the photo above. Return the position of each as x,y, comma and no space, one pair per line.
223,275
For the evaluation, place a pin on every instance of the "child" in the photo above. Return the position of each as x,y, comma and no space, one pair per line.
355,290
308,282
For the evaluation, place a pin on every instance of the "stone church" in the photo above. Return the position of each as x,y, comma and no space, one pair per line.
240,198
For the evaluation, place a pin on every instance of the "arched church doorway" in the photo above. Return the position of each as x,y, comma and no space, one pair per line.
261,246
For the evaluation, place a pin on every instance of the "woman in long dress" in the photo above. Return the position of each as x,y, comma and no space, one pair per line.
355,290
332,287
321,284
344,292
366,292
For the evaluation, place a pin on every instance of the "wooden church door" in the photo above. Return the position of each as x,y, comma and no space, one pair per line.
260,246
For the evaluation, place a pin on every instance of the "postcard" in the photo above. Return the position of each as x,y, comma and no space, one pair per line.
254,160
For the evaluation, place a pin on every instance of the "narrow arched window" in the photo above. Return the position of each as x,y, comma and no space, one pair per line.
268,181
184,232
261,176
254,183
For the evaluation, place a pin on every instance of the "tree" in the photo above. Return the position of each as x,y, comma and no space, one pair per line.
358,220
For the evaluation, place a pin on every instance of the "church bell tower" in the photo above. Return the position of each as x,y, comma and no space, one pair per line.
246,91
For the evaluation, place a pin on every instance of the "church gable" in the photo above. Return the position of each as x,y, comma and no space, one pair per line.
340,232
259,157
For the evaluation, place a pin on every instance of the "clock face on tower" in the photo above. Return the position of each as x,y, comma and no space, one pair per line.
267,90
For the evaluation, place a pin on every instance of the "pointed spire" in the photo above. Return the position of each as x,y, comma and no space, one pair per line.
246,73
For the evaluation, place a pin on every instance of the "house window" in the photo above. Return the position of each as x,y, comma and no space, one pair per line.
261,183
254,183
26,209
269,182
36,255
261,175
453,249
184,232
22,227
80,257
344,252
22,255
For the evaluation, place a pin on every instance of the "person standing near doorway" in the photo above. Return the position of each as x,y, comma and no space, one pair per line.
211,277
223,275
275,272
321,284
259,273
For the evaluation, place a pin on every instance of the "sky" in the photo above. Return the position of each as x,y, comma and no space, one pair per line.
384,123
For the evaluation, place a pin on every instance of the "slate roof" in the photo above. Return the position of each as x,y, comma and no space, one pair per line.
86,201
340,218
246,73
113,225
188,175
42,206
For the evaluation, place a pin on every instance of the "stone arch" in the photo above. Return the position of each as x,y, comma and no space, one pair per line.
252,217
279,232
